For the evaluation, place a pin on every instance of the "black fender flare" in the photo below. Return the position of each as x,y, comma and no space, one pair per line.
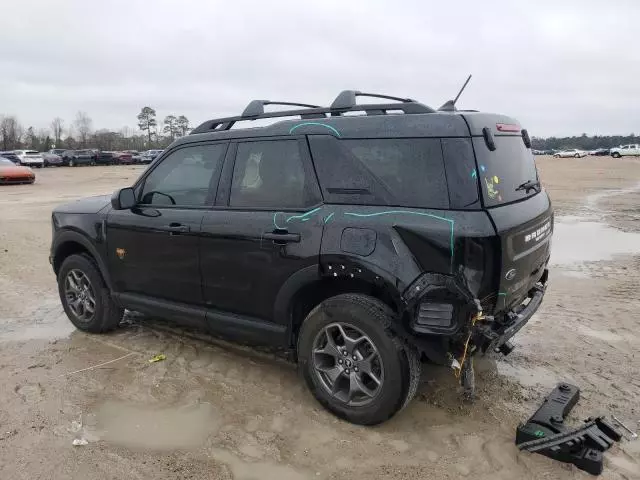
72,236
289,289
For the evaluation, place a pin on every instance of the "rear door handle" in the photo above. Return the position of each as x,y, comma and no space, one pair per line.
175,228
282,238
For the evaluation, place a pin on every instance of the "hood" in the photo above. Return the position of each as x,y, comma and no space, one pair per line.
85,205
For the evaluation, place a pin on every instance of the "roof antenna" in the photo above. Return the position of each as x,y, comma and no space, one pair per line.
450,105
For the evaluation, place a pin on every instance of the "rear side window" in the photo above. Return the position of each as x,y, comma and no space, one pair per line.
271,174
462,177
503,170
406,172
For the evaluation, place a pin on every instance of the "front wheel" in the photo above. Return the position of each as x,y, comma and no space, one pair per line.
577,155
353,363
616,155
85,297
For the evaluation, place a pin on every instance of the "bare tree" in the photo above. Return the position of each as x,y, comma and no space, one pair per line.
10,133
171,126
83,126
57,127
183,125
147,121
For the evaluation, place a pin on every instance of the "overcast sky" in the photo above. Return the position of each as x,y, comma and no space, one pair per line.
561,67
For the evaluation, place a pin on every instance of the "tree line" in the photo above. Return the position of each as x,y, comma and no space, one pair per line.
80,133
583,142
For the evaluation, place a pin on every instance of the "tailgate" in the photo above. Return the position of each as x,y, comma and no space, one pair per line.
525,230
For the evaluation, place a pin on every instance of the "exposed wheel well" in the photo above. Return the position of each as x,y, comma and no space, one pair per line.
65,250
307,298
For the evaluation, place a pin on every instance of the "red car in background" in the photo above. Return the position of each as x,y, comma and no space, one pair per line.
123,158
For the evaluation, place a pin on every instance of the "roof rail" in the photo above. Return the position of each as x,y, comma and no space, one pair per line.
347,99
256,107
345,102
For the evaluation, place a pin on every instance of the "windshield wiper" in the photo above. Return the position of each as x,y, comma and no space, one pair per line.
528,185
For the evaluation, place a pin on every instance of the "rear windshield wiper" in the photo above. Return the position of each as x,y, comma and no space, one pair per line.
528,185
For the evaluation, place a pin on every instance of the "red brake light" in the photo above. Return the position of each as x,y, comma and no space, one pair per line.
507,127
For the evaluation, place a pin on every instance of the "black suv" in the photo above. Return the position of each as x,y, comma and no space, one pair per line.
363,244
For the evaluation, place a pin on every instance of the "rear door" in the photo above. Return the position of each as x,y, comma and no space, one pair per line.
523,218
262,231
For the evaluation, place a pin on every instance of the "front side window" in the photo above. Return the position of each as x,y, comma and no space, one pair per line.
184,177
271,174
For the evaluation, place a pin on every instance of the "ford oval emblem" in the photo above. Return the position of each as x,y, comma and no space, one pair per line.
511,274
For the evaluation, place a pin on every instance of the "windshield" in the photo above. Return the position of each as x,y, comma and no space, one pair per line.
502,171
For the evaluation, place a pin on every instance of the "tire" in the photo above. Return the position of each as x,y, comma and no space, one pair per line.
556,156
106,314
395,365
72,163
577,155
616,155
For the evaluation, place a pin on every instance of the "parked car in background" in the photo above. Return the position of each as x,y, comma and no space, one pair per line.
626,151
123,158
52,159
574,152
106,158
57,151
135,155
599,152
11,156
10,173
30,158
149,156
73,158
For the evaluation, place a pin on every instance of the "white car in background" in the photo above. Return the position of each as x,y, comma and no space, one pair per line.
626,150
30,158
574,152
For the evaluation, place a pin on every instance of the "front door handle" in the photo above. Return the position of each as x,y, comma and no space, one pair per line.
176,228
282,238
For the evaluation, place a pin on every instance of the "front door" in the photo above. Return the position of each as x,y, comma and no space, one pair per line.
266,226
153,248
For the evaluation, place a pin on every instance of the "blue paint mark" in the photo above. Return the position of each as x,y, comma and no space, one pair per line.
275,224
304,215
328,217
474,174
483,168
392,212
318,124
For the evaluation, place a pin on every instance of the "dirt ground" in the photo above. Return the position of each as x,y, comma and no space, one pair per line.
214,410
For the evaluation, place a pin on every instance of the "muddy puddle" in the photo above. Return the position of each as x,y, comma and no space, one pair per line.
576,241
46,322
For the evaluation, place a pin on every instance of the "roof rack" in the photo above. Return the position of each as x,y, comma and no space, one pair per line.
344,102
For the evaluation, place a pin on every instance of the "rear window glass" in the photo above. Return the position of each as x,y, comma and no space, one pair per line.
32,152
401,172
502,171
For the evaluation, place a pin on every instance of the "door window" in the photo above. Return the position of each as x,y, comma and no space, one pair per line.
184,176
271,174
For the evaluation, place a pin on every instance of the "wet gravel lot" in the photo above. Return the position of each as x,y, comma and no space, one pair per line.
214,409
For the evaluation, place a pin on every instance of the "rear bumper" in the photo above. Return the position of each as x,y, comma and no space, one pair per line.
499,333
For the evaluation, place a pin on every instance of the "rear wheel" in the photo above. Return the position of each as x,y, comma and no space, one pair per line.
352,362
85,297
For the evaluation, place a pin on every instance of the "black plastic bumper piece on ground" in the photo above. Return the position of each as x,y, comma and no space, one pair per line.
546,434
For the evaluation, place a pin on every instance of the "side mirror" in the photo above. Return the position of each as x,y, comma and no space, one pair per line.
123,199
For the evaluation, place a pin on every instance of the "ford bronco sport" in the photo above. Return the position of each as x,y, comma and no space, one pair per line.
365,244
